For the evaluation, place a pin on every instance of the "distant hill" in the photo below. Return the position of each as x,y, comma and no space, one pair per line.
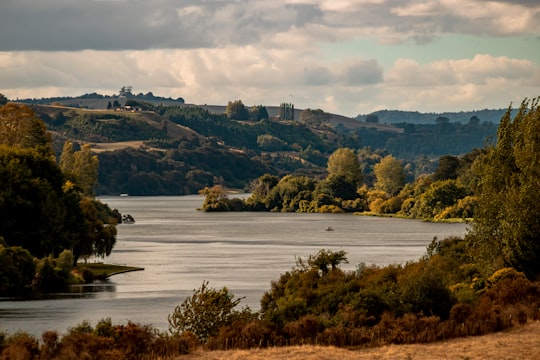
415,117
101,102
160,146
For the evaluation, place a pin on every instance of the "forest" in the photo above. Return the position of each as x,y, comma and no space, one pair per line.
482,283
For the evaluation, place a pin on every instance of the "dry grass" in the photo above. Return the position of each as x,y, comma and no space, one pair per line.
100,147
518,343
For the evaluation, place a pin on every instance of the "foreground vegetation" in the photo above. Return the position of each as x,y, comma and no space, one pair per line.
504,305
518,343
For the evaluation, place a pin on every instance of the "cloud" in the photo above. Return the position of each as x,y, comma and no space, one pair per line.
478,70
215,76
57,25
267,52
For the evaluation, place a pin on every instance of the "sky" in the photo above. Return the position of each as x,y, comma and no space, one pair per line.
347,57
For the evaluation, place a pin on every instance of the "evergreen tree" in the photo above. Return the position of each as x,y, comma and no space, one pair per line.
286,111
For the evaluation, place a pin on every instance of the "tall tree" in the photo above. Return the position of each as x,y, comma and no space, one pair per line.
258,112
286,111
81,167
314,117
506,230
447,169
344,162
389,174
236,110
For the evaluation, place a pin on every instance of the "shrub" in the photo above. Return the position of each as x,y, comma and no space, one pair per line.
204,312
425,292
305,327
21,346
503,274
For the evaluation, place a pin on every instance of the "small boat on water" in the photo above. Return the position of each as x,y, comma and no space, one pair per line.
124,195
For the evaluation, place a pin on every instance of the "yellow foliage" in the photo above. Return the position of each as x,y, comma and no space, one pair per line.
504,273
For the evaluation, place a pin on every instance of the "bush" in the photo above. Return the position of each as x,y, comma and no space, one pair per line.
17,270
20,346
305,327
204,312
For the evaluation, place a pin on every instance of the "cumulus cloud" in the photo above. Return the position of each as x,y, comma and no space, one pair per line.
215,76
57,25
267,52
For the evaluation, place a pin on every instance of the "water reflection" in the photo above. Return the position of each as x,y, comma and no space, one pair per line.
88,290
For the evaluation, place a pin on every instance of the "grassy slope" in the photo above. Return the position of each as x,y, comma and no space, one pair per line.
518,343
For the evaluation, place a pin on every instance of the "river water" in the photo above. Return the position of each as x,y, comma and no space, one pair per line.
180,247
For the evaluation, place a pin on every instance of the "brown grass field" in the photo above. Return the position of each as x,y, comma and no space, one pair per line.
519,343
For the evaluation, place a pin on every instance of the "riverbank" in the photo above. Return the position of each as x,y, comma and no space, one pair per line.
101,271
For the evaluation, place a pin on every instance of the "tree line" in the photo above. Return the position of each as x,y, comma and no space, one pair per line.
50,217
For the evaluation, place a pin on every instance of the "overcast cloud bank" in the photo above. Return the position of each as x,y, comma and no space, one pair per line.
348,57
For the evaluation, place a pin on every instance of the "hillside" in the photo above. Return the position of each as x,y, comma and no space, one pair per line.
335,119
414,117
167,147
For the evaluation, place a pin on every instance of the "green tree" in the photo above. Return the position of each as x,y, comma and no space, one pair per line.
20,127
290,192
85,167
506,230
81,167
216,198
271,143
260,190
372,118
204,312
389,174
314,118
98,235
67,160
286,111
32,201
3,100
344,162
447,169
17,270
258,113
325,260
236,110
339,187
437,197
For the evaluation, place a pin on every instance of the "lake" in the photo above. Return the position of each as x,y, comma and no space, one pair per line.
180,247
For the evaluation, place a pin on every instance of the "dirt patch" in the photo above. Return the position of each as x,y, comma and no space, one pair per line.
101,147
